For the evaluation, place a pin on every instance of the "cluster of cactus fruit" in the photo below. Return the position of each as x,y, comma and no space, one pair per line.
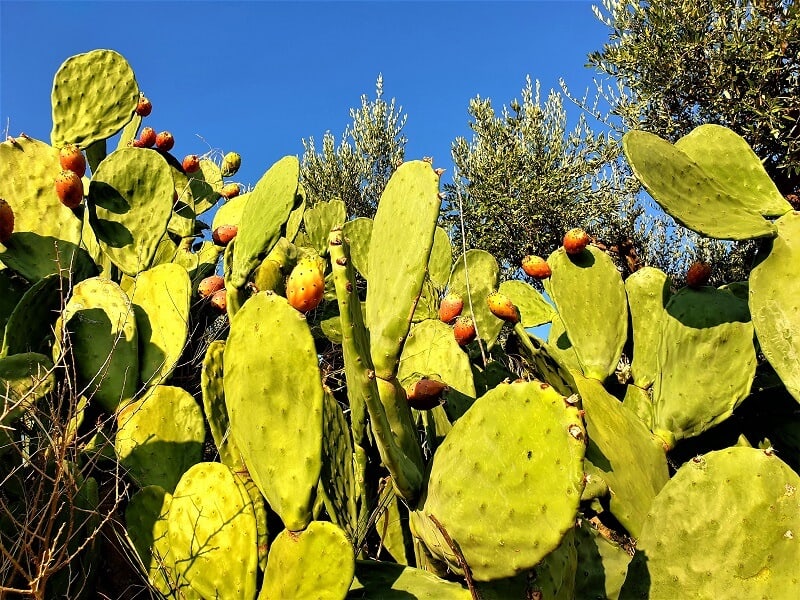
475,479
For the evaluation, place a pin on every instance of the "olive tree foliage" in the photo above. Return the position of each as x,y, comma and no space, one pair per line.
525,178
357,170
731,62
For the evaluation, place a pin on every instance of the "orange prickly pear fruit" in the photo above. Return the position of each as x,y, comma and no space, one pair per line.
210,285
698,274
219,300
191,163
223,234
425,394
451,307
144,107
576,240
165,141
502,307
230,190
147,137
6,221
536,267
306,285
464,330
69,188
72,159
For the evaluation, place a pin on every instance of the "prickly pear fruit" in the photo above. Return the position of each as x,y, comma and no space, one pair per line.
147,137
219,300
230,164
230,190
464,330
536,267
575,241
502,307
144,107
6,221
306,286
698,274
210,285
191,163
451,307
224,234
165,141
72,159
425,394
69,188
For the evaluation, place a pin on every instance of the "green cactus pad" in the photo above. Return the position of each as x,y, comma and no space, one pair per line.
402,237
727,157
474,281
338,478
146,523
432,351
264,216
24,379
775,303
708,362
506,482
296,216
46,233
388,581
129,132
555,575
216,411
315,563
14,289
648,294
160,436
94,96
638,401
131,195
602,565
358,233
102,337
320,219
392,527
160,299
636,470
274,400
441,261
212,533
691,195
182,221
30,326
206,185
534,310
561,347
230,213
590,297
725,526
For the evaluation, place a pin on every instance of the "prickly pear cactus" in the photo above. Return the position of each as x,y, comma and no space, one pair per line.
744,541
506,482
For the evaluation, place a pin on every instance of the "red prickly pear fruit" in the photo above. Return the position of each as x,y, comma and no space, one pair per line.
230,164
136,143
451,307
536,267
306,285
576,240
230,190
144,107
69,188
210,285
219,300
72,159
223,234
698,274
165,141
191,163
502,307
6,221
464,330
147,137
425,394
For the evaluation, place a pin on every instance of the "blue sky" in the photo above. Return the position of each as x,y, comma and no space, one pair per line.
257,77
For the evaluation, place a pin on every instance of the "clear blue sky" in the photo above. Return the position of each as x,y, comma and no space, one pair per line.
257,77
